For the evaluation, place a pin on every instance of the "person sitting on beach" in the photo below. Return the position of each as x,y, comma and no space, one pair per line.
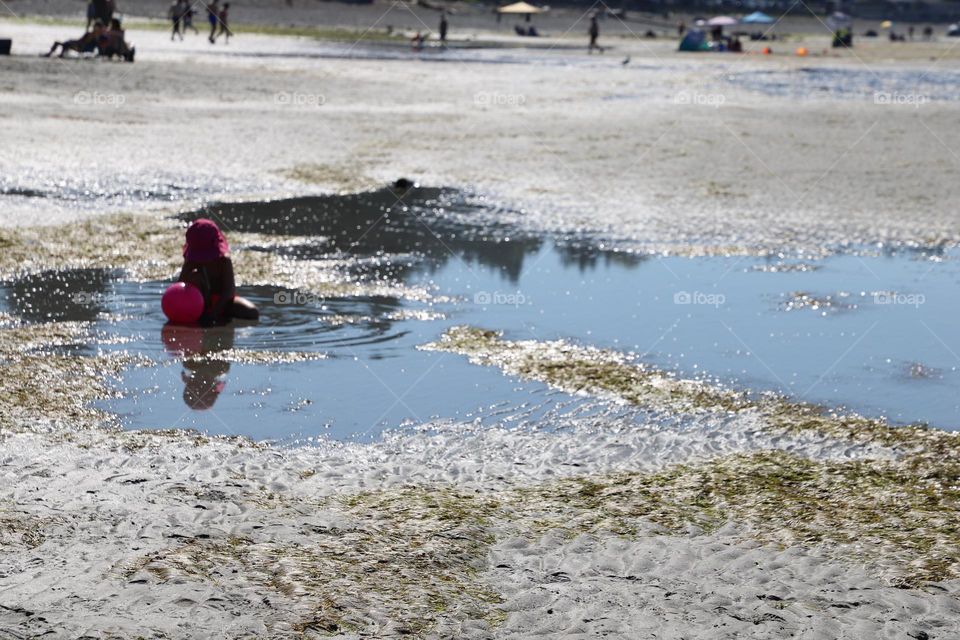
87,43
416,42
207,266
112,42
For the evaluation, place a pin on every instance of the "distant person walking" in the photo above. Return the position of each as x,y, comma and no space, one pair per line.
213,14
175,13
594,34
91,14
681,29
188,20
443,27
224,19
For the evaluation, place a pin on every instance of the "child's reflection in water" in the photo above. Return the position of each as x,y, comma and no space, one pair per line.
204,378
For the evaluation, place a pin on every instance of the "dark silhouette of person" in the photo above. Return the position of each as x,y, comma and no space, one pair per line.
224,19
113,42
443,27
104,10
91,14
175,14
208,266
87,43
213,15
594,34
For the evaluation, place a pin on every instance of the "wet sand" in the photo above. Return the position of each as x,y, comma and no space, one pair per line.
665,153
448,530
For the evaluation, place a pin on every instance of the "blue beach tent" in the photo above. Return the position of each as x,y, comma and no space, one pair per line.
757,17
694,40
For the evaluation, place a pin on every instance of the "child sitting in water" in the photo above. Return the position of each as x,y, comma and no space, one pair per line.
207,266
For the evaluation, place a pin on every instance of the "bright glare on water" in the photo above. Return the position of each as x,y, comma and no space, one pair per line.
875,333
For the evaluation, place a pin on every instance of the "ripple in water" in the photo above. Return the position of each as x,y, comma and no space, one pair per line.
710,318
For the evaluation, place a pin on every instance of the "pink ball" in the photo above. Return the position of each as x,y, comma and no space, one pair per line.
182,303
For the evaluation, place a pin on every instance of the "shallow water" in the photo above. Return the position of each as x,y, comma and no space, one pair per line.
906,86
874,333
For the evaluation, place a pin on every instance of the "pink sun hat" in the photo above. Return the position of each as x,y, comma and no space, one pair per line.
205,242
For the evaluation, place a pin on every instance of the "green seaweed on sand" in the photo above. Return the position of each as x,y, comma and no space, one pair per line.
18,339
401,562
578,369
411,560
879,513
586,370
148,247
345,178
21,530
895,513
33,378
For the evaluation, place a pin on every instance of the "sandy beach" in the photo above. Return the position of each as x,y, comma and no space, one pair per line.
666,506
664,151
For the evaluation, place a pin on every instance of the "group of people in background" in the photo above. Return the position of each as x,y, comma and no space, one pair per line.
899,37
105,40
181,14
104,34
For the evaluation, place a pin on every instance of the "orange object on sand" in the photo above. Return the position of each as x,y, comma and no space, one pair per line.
802,51
767,51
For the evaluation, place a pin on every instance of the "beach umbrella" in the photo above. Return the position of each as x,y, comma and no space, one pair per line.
757,17
520,8
721,21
